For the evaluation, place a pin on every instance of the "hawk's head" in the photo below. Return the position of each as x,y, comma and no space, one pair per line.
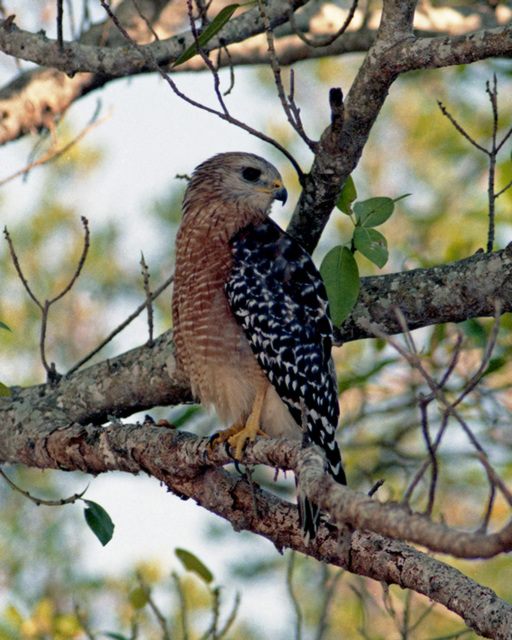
238,178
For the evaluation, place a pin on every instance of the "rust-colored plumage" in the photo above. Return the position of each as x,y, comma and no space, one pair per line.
212,348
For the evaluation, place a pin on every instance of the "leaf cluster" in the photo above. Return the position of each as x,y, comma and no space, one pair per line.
339,268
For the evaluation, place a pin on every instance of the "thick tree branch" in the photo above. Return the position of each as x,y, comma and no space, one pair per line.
122,61
145,377
451,292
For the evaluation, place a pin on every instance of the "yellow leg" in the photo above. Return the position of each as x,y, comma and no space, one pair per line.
238,434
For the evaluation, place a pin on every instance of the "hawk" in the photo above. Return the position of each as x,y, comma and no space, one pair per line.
250,314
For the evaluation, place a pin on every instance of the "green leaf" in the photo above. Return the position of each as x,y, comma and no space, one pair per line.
220,20
192,563
373,212
372,244
99,521
138,598
4,391
341,278
114,636
4,326
347,196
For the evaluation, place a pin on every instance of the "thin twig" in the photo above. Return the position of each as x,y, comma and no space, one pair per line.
83,623
231,69
329,39
60,15
50,368
122,326
488,511
454,360
491,153
17,266
491,343
291,112
415,361
152,605
207,61
329,592
423,404
149,300
493,97
146,21
151,62
462,131
231,617
72,26
40,501
495,479
85,224
183,607
55,151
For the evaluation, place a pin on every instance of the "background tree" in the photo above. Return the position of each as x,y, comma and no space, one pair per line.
430,411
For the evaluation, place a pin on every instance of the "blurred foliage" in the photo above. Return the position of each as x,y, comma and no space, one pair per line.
413,148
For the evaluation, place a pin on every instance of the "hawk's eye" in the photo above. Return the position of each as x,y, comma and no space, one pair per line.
251,174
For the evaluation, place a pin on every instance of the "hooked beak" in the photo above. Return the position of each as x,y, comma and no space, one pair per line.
280,194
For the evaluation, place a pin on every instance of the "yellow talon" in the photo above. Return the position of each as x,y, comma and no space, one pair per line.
238,434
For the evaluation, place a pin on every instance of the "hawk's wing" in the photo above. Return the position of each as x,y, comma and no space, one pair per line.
278,297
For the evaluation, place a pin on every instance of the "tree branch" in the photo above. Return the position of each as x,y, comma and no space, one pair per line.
145,377
451,292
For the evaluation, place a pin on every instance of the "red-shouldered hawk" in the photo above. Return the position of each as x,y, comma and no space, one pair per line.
250,314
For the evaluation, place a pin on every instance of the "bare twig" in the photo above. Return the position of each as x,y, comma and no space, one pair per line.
152,605
293,596
60,15
17,266
415,361
122,326
491,153
491,343
423,405
83,623
495,479
146,21
149,299
323,42
56,151
462,131
224,115
488,511
183,606
328,591
231,69
40,501
231,618
85,224
45,307
290,108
